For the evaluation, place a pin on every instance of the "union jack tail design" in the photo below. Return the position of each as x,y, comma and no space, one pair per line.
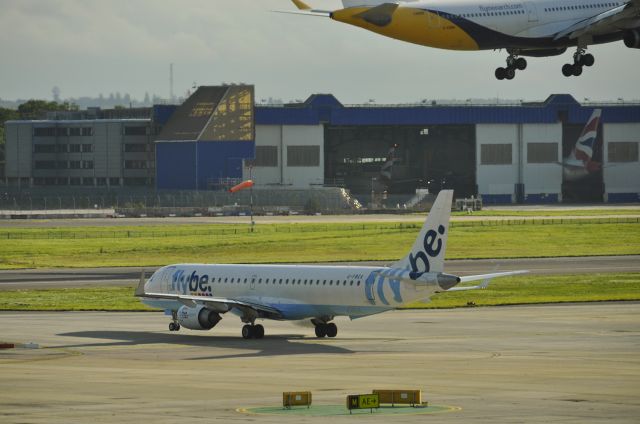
584,146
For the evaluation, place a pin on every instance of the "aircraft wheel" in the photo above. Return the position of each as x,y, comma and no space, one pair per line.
332,330
321,331
174,326
521,63
577,70
588,59
510,73
247,331
258,331
567,70
501,73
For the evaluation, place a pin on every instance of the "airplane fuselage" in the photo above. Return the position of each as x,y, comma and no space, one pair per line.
297,292
490,24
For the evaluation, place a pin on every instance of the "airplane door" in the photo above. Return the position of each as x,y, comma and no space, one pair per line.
254,277
532,12
368,288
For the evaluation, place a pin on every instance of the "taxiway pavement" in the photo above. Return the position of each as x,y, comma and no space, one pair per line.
572,363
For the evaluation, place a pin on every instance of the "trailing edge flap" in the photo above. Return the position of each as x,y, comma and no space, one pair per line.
380,15
601,22
216,303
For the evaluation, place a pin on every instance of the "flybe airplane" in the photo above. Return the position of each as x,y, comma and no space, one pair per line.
536,28
196,295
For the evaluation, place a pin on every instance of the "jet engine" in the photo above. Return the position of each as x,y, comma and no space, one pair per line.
632,39
198,318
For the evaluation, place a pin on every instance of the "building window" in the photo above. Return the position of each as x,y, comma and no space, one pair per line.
44,148
135,148
101,181
74,164
135,130
303,155
62,181
75,132
62,148
87,148
87,164
45,164
135,181
62,131
135,164
74,148
74,181
114,181
44,132
265,156
623,151
63,164
87,181
542,153
495,154
87,132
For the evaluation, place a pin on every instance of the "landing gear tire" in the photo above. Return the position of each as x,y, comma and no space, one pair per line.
258,331
501,73
567,70
247,332
588,60
331,330
174,326
321,331
521,63
577,70
510,73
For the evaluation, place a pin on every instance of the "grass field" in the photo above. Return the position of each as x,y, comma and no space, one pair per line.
524,289
99,247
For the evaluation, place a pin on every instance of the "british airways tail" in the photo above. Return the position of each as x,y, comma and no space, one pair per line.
586,141
428,251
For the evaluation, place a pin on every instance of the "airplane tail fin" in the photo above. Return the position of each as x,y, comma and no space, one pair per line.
427,253
587,139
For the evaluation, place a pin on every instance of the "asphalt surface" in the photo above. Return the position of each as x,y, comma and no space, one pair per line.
570,364
84,277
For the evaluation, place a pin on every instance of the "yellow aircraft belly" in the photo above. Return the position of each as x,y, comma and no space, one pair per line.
414,26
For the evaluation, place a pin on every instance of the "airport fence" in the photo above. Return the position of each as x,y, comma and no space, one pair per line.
236,229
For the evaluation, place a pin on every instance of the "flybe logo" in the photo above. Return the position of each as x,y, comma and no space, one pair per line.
432,245
184,283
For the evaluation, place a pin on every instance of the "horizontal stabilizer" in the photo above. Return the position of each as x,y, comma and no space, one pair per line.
469,278
305,9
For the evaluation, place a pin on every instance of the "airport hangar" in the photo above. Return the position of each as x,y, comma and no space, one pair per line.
503,153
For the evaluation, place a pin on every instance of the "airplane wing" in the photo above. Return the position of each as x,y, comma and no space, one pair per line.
617,18
486,279
305,9
218,304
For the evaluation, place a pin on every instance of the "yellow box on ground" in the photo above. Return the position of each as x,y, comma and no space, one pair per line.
399,397
368,401
290,399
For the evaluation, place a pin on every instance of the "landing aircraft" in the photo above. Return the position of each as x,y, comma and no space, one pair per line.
196,295
536,28
579,163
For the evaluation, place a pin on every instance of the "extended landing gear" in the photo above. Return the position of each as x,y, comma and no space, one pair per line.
326,330
580,59
514,63
174,325
250,331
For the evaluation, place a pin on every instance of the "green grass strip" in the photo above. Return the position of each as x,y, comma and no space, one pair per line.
328,245
526,289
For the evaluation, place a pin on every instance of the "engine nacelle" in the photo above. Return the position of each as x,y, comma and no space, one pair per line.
632,39
198,318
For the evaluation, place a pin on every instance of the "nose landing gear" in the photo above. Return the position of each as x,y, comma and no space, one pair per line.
580,59
514,63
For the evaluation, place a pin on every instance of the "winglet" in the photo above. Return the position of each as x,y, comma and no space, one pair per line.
140,289
301,5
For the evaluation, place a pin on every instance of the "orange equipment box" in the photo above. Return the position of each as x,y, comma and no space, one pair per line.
400,397
290,399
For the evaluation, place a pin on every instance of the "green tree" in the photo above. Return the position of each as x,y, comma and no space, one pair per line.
35,109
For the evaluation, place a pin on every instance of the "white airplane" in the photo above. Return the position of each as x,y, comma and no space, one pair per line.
197,294
579,163
536,28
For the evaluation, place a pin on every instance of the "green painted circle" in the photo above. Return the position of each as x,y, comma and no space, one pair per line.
334,410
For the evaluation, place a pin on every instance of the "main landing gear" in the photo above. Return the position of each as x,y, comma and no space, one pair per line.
174,325
324,328
580,59
250,331
514,63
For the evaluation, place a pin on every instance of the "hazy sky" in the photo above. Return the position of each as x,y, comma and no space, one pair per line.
88,47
